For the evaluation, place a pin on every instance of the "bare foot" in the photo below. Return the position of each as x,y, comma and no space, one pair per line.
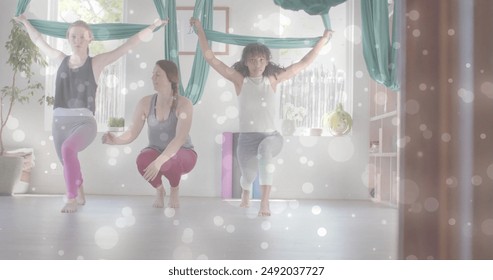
70,206
81,198
264,209
160,194
245,199
174,199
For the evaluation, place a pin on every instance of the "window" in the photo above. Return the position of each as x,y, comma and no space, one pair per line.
310,95
110,99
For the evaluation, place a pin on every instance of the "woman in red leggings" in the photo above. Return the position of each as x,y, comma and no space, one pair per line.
170,151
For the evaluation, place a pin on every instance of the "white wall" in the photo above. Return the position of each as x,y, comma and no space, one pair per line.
335,167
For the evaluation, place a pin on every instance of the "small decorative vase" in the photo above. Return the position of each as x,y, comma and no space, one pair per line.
338,122
288,127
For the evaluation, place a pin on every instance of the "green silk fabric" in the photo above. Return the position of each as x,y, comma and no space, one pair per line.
379,52
311,7
203,10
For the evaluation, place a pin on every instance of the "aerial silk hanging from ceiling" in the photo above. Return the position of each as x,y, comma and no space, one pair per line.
203,10
379,50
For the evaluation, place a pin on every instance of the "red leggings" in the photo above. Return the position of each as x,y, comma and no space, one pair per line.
181,163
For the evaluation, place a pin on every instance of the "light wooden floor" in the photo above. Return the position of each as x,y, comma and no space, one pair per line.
127,227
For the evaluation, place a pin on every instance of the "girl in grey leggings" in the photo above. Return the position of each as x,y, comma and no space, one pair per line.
256,79
256,151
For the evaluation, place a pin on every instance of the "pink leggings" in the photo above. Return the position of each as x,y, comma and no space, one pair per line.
71,135
181,163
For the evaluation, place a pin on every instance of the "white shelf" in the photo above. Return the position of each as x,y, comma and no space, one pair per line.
384,116
383,154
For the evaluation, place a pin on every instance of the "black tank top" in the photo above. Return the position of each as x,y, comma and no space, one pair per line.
75,88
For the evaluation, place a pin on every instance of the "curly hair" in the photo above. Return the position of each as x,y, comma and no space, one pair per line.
254,49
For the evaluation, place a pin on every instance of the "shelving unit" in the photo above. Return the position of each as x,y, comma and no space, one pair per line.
383,158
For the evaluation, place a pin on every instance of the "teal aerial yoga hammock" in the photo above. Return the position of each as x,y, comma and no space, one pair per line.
311,7
379,52
203,10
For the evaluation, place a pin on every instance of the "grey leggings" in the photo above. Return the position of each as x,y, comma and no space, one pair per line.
256,152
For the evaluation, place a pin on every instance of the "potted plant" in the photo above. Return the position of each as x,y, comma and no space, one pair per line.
22,55
116,124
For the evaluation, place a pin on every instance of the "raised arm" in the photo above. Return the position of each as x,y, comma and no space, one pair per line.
138,121
184,113
39,41
225,71
102,60
295,68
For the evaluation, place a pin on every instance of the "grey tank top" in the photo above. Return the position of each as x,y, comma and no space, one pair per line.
162,132
75,88
258,106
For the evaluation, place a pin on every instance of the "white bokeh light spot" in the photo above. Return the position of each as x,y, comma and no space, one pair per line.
226,96
322,232
127,150
489,171
232,112
303,160
413,15
487,227
308,141
487,89
187,236
18,135
221,119
12,123
112,81
106,237
112,161
169,212
218,221
182,253
466,95
221,82
431,204
266,225
353,33
316,210
112,151
341,149
476,180
230,228
307,188
446,137
412,107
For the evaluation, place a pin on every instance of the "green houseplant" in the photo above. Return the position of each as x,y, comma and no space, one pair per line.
116,124
22,56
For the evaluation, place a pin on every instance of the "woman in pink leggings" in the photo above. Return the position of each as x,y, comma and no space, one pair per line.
74,126
170,151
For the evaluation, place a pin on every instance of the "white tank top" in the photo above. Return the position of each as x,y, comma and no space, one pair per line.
258,105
